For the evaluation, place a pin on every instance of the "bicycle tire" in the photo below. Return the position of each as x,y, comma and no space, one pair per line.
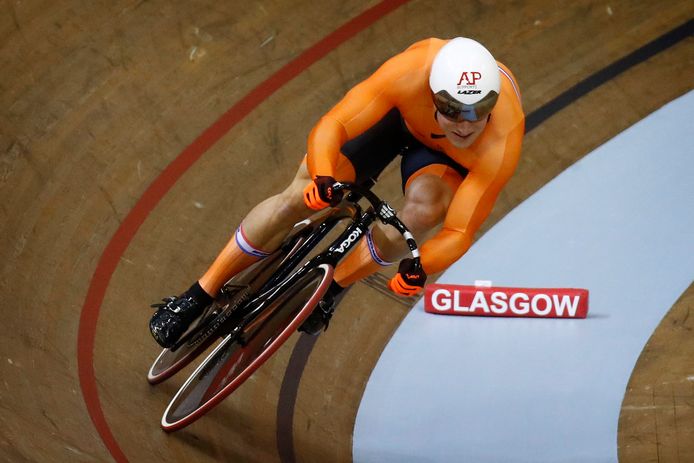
169,362
231,362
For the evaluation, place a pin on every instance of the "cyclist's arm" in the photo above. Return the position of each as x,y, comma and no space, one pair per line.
473,202
361,108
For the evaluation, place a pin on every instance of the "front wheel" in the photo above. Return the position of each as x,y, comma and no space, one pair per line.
232,362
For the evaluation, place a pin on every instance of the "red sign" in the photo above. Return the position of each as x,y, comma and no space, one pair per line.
506,302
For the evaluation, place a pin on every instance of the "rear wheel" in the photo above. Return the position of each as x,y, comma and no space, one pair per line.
233,361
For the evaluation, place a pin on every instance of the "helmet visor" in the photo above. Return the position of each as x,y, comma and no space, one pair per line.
456,111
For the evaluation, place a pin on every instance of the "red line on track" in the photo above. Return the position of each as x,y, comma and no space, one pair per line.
164,182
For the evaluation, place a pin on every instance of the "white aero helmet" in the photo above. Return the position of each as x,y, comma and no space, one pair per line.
464,80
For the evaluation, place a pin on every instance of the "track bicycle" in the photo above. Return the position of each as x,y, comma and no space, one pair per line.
258,310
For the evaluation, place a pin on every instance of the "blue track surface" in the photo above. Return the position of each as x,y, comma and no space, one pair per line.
620,222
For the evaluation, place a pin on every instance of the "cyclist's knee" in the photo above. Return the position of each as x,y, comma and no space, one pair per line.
420,218
290,205
426,202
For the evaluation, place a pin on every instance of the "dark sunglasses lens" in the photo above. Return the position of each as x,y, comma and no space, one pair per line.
448,107
458,112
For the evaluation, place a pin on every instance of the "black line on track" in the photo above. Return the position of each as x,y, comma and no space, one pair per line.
303,348
287,397
608,73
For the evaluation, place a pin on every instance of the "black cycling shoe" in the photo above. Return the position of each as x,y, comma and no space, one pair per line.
173,318
319,319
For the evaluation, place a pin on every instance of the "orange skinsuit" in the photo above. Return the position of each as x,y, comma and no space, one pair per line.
403,83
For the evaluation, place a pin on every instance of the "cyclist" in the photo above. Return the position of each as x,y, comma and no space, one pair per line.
450,110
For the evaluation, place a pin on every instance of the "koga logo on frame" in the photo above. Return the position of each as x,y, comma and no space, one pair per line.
349,240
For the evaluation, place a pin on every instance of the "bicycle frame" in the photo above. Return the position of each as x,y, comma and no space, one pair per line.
283,277
347,240
270,312
340,212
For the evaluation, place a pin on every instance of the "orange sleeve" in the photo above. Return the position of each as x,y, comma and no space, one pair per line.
362,107
473,202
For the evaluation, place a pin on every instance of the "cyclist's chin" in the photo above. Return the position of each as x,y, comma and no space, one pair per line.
461,141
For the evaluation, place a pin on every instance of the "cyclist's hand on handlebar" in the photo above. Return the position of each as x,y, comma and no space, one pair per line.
320,193
409,280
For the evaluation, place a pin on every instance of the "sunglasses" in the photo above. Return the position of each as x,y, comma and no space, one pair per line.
454,110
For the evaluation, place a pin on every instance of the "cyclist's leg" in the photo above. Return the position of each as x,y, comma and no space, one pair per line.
264,228
369,154
429,181
427,198
259,233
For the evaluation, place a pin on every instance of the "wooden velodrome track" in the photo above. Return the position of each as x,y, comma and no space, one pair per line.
98,98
